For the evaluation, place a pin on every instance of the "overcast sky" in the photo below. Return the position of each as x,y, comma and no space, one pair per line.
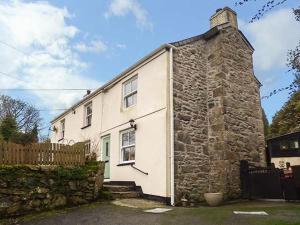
83,44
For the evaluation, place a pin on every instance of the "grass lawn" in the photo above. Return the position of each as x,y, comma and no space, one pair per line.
280,213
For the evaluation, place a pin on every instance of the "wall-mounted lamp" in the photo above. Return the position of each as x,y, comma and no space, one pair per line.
54,128
132,124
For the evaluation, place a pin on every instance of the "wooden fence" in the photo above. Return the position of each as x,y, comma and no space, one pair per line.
42,154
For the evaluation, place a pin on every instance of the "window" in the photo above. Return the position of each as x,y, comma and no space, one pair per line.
128,146
284,145
294,144
87,147
88,114
62,129
130,92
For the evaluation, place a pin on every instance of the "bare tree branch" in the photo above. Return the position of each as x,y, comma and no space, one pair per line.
268,6
26,115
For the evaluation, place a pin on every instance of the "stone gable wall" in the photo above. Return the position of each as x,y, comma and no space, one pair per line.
190,118
218,116
243,123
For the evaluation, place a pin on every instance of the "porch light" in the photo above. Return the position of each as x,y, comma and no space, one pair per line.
53,129
132,124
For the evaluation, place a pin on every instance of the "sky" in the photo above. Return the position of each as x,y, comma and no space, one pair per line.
83,44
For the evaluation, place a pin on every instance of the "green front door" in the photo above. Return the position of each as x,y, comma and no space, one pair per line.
105,154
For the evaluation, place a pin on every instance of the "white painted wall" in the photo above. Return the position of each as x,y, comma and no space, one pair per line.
151,116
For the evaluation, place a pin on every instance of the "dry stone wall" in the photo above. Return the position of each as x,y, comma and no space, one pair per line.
25,189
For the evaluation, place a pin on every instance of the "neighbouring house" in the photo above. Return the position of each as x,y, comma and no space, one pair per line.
284,149
184,116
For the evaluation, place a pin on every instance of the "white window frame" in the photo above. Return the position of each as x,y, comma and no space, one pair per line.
62,129
87,145
127,146
86,115
134,92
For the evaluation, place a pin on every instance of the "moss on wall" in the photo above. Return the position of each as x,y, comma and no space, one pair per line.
34,188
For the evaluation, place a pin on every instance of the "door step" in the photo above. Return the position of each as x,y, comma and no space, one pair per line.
126,194
118,188
119,191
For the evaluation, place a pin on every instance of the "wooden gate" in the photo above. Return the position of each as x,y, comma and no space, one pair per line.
266,183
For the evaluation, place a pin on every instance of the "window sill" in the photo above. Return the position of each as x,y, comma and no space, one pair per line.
124,109
86,126
126,163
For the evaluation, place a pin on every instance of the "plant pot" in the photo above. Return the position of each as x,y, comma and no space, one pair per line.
192,204
213,199
184,202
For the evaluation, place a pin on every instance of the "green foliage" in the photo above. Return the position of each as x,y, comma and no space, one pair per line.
27,138
9,132
8,128
106,195
288,118
266,123
76,173
26,115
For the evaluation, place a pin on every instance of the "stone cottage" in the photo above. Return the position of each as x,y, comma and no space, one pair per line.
179,120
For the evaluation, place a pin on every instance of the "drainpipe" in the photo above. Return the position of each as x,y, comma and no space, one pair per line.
172,129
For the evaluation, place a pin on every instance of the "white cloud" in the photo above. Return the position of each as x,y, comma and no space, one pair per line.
121,46
272,36
125,7
96,46
41,31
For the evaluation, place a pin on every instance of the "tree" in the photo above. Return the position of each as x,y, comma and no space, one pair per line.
266,124
288,118
26,116
8,128
26,138
9,132
293,58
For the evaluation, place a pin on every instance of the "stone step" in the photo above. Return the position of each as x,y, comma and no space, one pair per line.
118,188
126,194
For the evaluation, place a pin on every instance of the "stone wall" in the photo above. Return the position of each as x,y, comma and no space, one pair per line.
25,189
218,116
239,111
190,118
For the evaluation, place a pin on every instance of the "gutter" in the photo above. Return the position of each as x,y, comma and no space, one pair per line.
172,129
114,80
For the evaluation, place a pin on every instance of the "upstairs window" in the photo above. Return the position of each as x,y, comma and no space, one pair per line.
128,146
62,129
88,114
130,92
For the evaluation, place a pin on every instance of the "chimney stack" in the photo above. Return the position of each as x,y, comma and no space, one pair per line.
87,93
222,16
